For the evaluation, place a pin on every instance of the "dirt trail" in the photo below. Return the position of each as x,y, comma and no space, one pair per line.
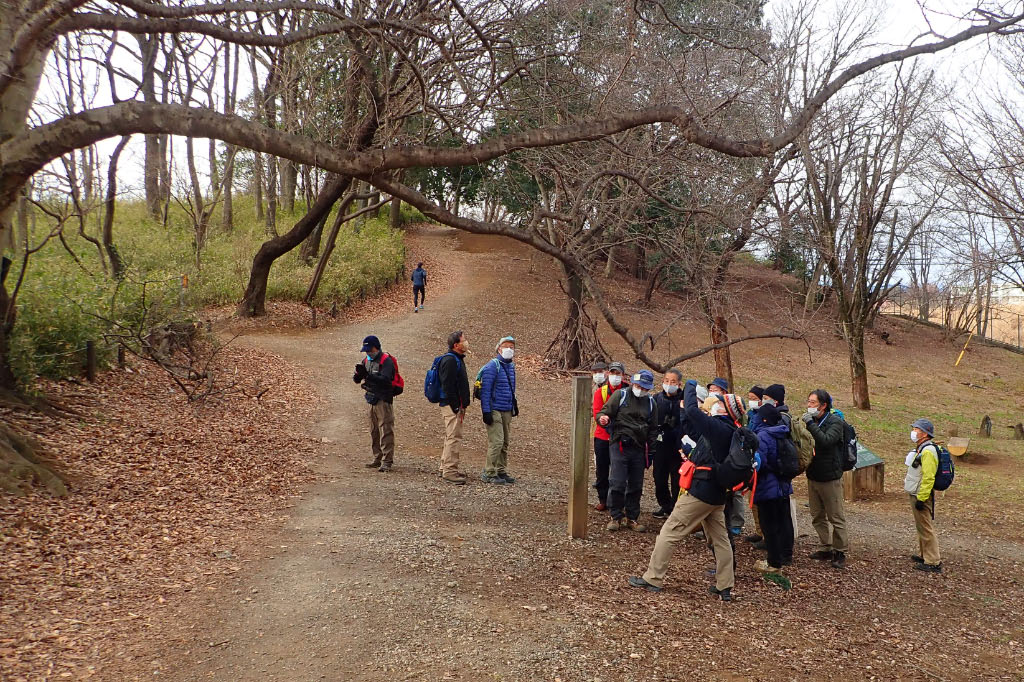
398,576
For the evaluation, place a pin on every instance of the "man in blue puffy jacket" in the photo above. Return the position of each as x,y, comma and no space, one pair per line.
498,402
772,493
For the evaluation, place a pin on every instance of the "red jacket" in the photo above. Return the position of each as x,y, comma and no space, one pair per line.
600,398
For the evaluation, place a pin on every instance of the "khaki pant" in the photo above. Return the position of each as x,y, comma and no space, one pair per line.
452,440
927,541
382,432
497,443
828,515
689,513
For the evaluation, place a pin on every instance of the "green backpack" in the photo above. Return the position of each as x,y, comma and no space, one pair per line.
803,439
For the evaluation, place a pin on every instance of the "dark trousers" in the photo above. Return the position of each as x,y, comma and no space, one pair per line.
602,461
777,528
626,480
419,295
667,461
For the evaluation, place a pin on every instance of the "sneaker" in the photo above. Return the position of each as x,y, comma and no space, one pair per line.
917,559
454,479
637,581
822,555
736,531
373,465
754,538
613,525
505,477
928,568
415,310
600,506
661,514
839,560
699,534
492,479
384,468
726,594
633,524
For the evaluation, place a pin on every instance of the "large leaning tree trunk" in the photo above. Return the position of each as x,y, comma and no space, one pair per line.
576,345
254,301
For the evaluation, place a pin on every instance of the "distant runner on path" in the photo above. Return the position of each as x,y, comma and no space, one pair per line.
419,288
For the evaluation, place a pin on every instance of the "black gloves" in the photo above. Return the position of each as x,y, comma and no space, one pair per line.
919,505
488,418
455,409
361,372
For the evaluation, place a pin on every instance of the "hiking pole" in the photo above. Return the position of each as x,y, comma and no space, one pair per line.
961,356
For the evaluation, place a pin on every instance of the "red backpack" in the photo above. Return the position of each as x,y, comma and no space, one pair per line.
398,383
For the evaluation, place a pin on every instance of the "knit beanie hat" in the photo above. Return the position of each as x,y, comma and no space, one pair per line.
776,392
758,391
770,414
734,406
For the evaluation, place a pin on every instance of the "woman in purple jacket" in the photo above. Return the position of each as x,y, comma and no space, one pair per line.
772,493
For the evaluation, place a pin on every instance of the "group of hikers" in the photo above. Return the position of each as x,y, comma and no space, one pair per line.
700,441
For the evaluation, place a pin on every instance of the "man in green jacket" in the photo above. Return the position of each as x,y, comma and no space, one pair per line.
922,464
825,479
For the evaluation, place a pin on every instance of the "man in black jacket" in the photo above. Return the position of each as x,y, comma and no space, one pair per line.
667,457
454,401
704,505
376,372
825,479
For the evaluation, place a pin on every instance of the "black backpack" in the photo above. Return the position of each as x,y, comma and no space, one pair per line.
736,471
849,453
789,458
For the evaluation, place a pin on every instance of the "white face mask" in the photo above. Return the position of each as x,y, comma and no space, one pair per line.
913,435
754,404
598,378
507,353
670,388
718,410
812,411
768,401
639,392
614,380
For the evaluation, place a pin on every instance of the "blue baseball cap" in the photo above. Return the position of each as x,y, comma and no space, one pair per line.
369,343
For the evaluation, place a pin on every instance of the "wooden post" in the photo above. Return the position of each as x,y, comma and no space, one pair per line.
579,460
90,360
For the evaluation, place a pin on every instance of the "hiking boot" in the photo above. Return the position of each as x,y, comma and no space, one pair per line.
613,525
736,531
492,479
917,559
726,594
928,568
839,560
754,538
764,567
822,555
600,506
506,477
699,534
760,545
637,581
375,464
633,524
384,468
454,479
661,514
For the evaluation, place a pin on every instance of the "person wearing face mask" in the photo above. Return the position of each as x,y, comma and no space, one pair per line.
775,395
704,505
499,405
755,396
825,479
667,457
718,386
376,372
632,417
922,465
602,453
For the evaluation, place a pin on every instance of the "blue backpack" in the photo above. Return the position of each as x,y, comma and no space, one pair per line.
432,382
944,474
